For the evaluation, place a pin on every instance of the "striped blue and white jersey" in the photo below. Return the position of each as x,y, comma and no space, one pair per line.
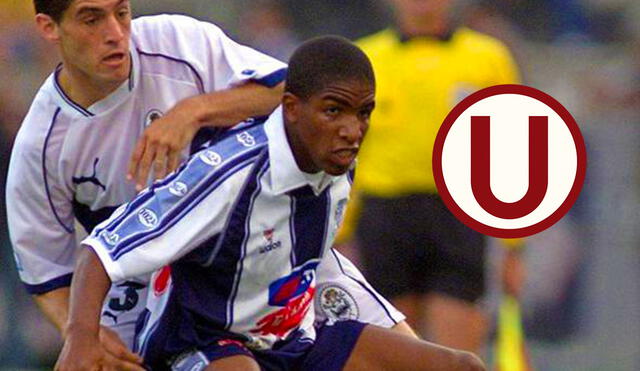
243,230
69,163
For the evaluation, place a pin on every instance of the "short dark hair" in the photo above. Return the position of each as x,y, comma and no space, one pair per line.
322,60
53,8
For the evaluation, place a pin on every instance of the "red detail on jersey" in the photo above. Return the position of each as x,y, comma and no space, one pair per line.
279,323
162,280
226,342
288,289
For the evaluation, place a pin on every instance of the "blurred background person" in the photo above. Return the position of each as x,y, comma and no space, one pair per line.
413,249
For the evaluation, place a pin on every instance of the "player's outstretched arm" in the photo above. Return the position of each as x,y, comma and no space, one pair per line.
83,347
379,348
162,142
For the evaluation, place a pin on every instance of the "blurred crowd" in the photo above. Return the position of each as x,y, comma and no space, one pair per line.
582,292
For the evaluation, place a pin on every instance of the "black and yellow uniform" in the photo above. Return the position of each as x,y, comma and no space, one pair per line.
410,242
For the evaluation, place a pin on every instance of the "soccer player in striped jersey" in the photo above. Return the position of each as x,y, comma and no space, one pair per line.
244,225
72,154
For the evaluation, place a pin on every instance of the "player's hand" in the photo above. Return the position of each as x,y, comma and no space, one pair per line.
162,143
81,352
117,356
513,272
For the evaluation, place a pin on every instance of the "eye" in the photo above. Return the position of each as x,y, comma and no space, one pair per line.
365,114
332,110
91,21
123,13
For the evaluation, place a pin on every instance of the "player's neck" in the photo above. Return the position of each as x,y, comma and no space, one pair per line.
432,26
83,90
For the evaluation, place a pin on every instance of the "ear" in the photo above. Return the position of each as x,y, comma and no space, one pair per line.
48,28
291,105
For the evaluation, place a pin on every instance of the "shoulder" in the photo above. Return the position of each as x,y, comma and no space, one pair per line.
377,42
153,30
37,124
481,42
235,150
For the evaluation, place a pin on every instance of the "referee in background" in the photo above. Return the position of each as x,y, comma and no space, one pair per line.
414,251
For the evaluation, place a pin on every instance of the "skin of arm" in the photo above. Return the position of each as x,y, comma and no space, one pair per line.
89,288
55,306
162,142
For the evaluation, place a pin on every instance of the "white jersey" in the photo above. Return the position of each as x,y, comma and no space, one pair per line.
244,231
70,163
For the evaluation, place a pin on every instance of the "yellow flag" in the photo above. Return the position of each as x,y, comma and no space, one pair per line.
510,351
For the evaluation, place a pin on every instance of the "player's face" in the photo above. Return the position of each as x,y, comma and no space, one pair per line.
94,39
330,126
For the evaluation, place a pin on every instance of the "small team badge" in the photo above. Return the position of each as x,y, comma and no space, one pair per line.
337,304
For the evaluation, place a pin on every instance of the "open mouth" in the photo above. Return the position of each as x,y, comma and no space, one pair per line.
346,156
114,58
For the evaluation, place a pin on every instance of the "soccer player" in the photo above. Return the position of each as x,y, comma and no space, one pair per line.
414,250
244,225
71,157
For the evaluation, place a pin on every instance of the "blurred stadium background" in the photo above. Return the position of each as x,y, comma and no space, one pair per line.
582,294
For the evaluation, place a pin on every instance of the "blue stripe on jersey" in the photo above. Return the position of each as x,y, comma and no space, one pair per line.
172,209
164,204
292,233
239,221
310,221
351,175
44,172
272,79
199,81
367,289
56,283
225,147
64,96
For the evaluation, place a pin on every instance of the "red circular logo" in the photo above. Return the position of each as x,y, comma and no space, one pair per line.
509,161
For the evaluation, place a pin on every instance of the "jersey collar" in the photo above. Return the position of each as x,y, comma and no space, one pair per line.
285,174
110,101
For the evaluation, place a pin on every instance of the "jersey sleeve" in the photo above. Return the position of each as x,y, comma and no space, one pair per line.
169,219
39,212
219,61
344,294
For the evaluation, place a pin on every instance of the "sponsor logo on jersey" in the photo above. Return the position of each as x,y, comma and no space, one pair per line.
246,139
147,217
178,189
111,238
337,304
294,293
161,280
268,236
151,116
211,158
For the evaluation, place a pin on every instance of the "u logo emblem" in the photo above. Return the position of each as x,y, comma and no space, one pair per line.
509,161
481,168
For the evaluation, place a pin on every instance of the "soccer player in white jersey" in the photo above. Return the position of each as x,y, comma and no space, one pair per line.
71,157
244,225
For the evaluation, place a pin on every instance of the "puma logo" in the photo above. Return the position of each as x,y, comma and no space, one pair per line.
90,179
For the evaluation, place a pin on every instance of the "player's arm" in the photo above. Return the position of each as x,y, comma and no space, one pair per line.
88,290
162,143
237,83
